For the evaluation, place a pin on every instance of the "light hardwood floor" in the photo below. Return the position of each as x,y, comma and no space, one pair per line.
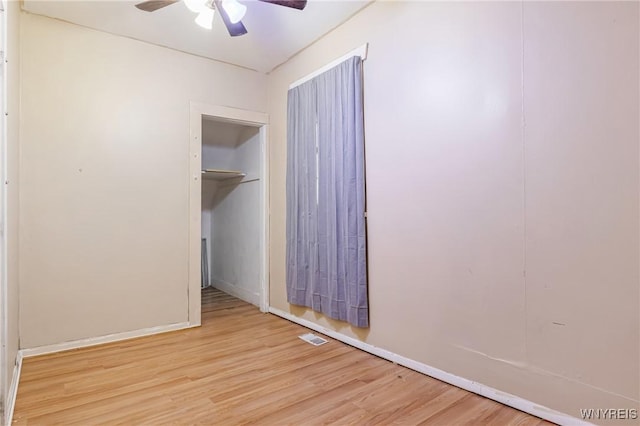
240,367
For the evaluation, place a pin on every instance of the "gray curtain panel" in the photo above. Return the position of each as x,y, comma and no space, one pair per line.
326,241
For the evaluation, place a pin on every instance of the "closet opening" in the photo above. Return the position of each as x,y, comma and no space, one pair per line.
229,221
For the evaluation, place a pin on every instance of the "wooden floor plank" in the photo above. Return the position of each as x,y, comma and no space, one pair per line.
240,367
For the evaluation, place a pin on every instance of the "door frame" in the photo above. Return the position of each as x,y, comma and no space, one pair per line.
229,115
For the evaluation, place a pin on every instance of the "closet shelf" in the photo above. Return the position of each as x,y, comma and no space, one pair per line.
217,174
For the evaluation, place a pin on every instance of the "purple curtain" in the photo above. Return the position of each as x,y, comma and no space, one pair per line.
326,230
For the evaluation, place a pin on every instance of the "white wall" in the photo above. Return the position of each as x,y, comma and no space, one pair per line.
236,251
231,147
581,140
105,173
502,189
11,304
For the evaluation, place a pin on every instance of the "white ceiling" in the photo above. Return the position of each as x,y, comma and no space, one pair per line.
275,33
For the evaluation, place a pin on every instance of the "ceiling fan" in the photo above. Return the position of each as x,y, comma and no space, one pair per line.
231,11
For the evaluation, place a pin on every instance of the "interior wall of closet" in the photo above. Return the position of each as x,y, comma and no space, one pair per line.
231,209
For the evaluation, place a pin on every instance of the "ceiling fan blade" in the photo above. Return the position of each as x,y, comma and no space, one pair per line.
295,4
236,29
151,5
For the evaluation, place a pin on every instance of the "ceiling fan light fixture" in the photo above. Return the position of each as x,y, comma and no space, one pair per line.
235,10
196,6
205,18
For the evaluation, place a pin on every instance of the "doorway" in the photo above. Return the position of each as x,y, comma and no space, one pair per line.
228,205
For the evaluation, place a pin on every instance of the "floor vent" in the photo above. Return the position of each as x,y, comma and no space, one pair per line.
313,339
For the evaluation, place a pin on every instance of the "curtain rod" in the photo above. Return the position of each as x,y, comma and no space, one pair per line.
360,51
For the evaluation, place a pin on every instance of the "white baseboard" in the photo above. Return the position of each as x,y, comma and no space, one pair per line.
13,390
239,292
109,338
466,384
